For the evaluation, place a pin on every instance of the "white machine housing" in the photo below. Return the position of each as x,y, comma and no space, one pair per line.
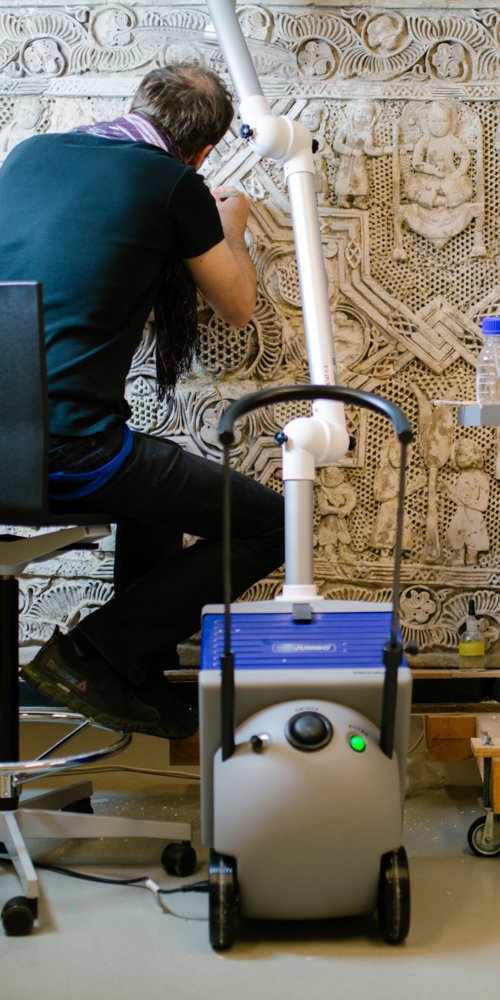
291,817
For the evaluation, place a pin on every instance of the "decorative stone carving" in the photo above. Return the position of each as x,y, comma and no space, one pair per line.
312,117
63,603
30,118
336,498
439,198
412,262
435,439
354,144
467,535
383,32
386,493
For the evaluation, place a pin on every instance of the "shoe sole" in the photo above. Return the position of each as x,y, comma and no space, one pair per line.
54,689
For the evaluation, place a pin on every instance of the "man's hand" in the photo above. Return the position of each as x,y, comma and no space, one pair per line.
233,207
225,274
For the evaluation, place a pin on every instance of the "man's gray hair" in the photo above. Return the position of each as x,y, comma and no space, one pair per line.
189,102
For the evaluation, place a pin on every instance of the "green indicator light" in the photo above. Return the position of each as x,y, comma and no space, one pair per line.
357,743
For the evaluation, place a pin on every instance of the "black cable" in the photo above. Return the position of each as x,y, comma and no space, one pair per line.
190,887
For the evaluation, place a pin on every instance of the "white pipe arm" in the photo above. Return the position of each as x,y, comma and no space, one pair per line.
276,136
312,441
287,142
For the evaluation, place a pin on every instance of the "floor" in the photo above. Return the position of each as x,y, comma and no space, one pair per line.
98,940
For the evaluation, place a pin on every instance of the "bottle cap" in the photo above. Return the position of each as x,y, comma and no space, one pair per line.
490,324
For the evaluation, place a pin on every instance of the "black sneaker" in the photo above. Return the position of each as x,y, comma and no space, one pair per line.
178,717
89,686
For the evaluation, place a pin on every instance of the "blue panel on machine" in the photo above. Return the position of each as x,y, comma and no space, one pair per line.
351,640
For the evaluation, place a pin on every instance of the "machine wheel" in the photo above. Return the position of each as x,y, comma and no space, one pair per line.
179,859
18,916
223,901
476,843
394,896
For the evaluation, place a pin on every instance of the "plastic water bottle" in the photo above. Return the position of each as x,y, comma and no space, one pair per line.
488,363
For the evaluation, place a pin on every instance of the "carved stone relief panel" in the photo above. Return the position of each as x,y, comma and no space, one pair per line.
403,105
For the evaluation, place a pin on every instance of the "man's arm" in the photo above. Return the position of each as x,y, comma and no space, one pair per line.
225,274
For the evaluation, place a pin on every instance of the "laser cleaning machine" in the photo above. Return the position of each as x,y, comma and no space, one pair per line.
304,702
304,718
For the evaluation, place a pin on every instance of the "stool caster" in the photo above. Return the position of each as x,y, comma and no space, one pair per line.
179,859
19,915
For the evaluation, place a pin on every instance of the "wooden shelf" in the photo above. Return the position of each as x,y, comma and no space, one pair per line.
454,705
482,749
440,673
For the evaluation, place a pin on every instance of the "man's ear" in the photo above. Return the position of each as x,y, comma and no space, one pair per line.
196,160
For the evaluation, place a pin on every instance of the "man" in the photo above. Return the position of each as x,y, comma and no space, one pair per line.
113,220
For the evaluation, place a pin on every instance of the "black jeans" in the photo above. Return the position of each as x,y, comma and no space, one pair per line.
159,494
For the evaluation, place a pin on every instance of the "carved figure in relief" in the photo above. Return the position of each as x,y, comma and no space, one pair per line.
467,534
435,440
312,118
438,189
386,492
440,163
354,143
29,113
349,340
336,499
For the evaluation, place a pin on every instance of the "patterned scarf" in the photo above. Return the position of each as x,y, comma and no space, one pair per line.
175,311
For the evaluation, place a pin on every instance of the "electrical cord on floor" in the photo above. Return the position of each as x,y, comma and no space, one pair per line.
188,775
187,887
141,881
102,769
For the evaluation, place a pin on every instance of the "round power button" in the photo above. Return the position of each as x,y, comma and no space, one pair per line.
309,731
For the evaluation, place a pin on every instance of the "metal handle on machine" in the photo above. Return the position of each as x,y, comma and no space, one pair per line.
338,393
392,652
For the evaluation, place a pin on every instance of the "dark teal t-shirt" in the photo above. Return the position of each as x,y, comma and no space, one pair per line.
96,221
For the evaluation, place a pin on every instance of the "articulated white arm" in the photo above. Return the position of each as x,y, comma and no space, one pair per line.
290,143
323,438
276,136
311,441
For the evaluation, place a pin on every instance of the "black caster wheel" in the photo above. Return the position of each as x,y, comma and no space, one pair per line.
179,859
393,905
478,844
18,916
223,901
80,806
